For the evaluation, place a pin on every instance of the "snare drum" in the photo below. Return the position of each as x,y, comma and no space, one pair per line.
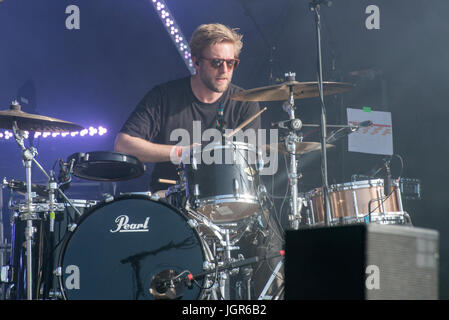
359,201
125,248
222,181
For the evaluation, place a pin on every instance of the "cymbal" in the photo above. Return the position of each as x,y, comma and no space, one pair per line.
281,92
301,147
34,122
21,187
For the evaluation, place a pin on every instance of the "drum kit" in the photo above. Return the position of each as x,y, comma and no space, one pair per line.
177,243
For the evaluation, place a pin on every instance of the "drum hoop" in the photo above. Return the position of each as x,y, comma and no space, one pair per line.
348,186
134,166
360,219
362,183
222,199
237,145
101,204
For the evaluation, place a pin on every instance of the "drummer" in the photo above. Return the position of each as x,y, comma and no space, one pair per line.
215,49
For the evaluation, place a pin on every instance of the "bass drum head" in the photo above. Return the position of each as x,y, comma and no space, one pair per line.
128,247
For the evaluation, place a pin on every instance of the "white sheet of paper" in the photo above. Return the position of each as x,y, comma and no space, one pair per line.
377,139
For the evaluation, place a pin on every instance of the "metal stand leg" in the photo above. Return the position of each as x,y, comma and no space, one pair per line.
29,233
270,282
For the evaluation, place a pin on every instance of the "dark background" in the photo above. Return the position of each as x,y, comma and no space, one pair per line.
97,74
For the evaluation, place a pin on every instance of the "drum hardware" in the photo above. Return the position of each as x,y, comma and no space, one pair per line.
293,144
220,232
273,276
20,121
247,273
29,215
224,269
290,145
20,187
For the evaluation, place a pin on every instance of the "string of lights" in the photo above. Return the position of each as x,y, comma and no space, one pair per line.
175,33
89,132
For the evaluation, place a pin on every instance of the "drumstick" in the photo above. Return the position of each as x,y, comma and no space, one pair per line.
244,123
167,181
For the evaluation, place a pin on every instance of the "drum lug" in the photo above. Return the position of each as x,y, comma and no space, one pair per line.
55,294
207,266
71,227
236,187
6,274
58,272
194,164
229,248
196,191
192,223
109,199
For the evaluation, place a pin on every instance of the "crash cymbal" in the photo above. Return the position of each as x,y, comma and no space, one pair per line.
281,92
33,122
301,147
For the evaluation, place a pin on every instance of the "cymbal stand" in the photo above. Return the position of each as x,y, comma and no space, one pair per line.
28,158
290,144
315,6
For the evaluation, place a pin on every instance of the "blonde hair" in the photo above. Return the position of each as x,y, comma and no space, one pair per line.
210,34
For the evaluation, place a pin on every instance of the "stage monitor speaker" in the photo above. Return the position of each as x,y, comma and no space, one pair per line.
361,262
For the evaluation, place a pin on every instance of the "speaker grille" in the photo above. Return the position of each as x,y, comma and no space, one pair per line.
407,258
361,261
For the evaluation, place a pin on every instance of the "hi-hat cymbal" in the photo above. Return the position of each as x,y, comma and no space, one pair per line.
301,147
34,122
21,187
281,92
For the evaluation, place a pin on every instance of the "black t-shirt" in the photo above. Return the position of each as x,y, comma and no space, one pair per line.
173,106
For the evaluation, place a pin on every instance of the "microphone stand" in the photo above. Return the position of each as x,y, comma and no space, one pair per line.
315,6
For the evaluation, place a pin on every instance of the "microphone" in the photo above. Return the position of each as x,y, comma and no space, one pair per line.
345,131
387,180
364,124
341,133
379,167
167,284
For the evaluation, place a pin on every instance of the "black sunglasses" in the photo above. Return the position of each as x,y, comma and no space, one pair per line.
217,63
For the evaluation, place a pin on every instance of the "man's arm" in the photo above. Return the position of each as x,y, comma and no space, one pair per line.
144,150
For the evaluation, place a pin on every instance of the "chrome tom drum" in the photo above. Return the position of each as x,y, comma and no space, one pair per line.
223,181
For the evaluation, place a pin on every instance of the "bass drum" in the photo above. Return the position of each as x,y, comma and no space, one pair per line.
127,249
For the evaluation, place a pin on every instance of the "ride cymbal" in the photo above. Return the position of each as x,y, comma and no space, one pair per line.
281,92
